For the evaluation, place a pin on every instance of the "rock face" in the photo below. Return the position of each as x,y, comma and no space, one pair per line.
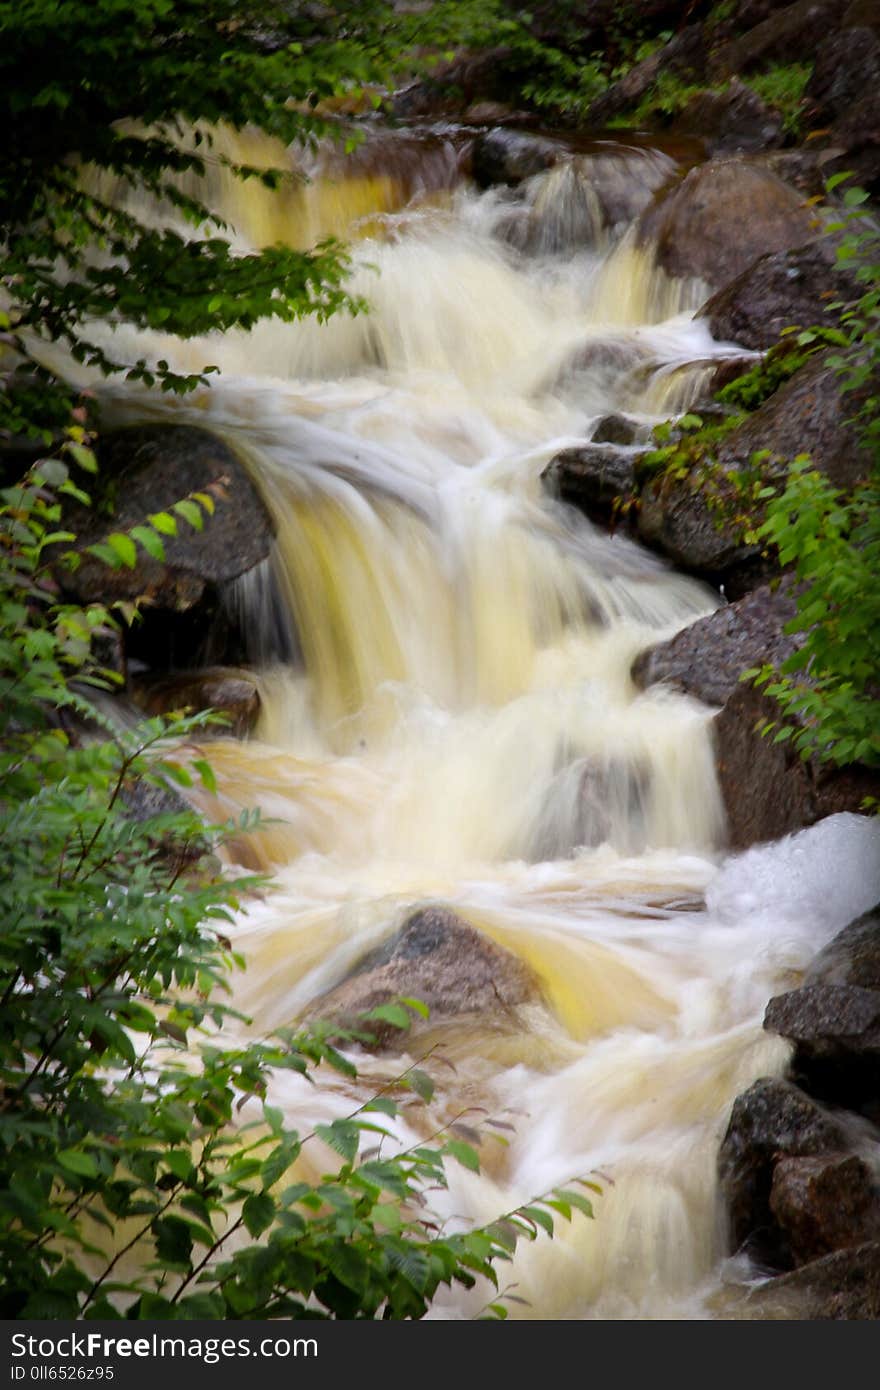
767,788
778,290
788,35
722,217
437,958
707,658
148,469
677,518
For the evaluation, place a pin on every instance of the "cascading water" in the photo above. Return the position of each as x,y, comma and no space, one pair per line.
459,726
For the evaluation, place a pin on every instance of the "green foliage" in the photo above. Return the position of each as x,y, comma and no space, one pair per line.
783,88
144,1171
829,690
777,366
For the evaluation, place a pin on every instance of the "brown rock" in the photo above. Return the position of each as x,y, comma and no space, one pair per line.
824,1204
847,66
437,958
721,218
230,692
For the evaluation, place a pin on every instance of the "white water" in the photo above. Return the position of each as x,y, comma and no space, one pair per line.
463,730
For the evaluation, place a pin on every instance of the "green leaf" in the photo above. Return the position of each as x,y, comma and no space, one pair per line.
466,1155
124,547
164,522
75,1161
191,512
258,1212
151,542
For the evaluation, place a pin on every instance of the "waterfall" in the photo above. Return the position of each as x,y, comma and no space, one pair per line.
458,725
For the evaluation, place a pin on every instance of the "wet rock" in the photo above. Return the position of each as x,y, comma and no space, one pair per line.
732,121
437,958
767,788
722,217
453,86
148,469
789,35
773,1119
824,1204
852,957
596,478
826,1021
707,658
842,1286
619,429
230,692
510,156
781,289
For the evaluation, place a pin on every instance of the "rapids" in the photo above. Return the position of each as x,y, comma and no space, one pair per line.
451,720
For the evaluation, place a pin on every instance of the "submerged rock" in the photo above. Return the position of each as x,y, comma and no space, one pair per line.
438,958
510,156
721,217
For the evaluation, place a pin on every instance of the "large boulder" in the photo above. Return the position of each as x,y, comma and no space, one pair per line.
148,469
835,1030
847,65
781,289
707,658
185,619
721,217
438,958
773,1119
